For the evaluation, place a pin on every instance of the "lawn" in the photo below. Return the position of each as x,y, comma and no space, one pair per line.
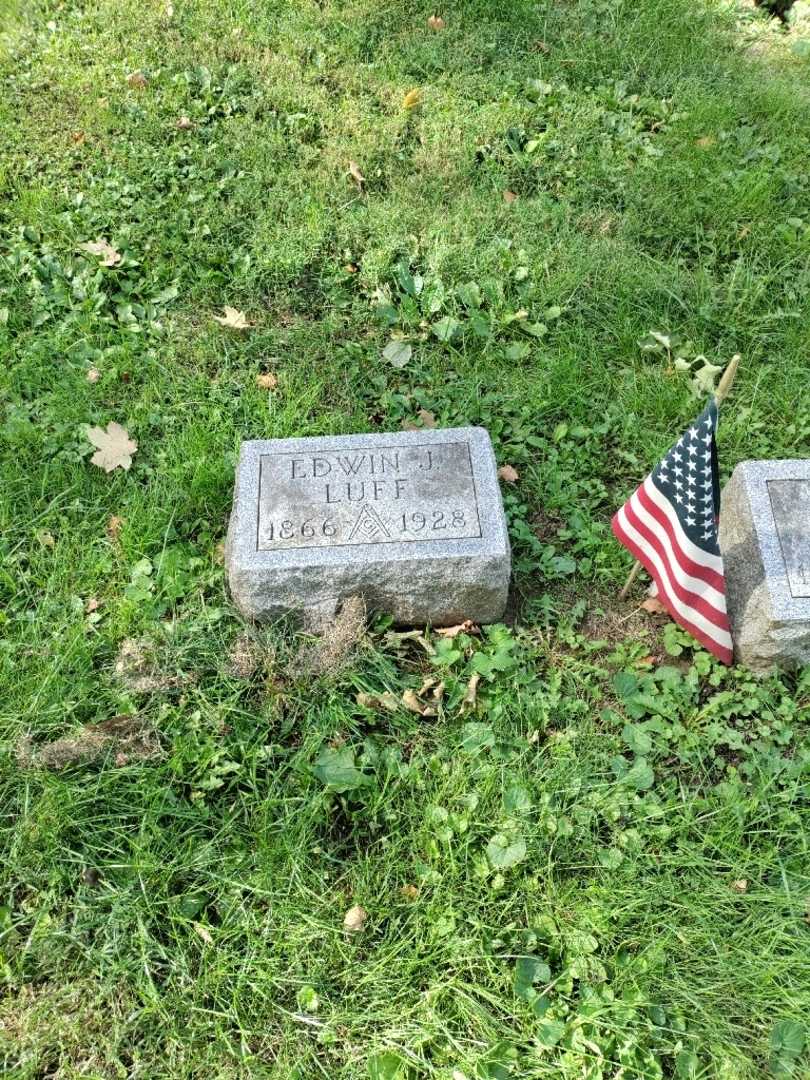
589,859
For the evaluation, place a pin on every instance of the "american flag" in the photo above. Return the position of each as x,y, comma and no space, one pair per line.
670,524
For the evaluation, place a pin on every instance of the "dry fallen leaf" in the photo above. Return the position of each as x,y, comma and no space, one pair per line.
436,22
106,252
472,692
78,136
466,627
412,702
45,538
355,919
410,892
93,375
115,448
508,473
203,933
653,606
427,418
705,141
114,527
183,123
509,196
740,886
137,79
412,99
233,319
387,700
266,381
91,605
356,175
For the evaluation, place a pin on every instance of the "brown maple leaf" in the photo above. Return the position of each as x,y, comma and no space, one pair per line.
104,250
355,919
466,627
233,319
653,606
115,448
508,473
356,175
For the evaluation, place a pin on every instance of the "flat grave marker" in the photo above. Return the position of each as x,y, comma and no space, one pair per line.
412,521
765,541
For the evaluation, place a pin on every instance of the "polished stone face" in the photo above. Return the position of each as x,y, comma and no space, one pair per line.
412,521
790,506
374,494
765,541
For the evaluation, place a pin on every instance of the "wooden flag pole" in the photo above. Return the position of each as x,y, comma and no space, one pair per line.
720,394
727,379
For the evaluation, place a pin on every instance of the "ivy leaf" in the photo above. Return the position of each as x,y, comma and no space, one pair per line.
397,353
446,329
517,799
786,1044
528,971
469,294
517,351
639,740
503,852
640,775
549,1032
476,737
386,1066
337,770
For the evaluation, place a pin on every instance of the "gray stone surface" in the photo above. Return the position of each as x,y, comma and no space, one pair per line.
765,541
411,521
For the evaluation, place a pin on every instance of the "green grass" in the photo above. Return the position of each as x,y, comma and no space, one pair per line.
572,847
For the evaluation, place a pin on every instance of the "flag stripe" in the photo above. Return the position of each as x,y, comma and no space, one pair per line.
715,640
693,578
679,543
704,558
690,598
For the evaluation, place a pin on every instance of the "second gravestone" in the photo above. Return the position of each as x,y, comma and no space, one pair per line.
765,540
412,522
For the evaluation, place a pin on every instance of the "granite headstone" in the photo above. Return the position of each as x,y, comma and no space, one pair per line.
765,541
413,522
